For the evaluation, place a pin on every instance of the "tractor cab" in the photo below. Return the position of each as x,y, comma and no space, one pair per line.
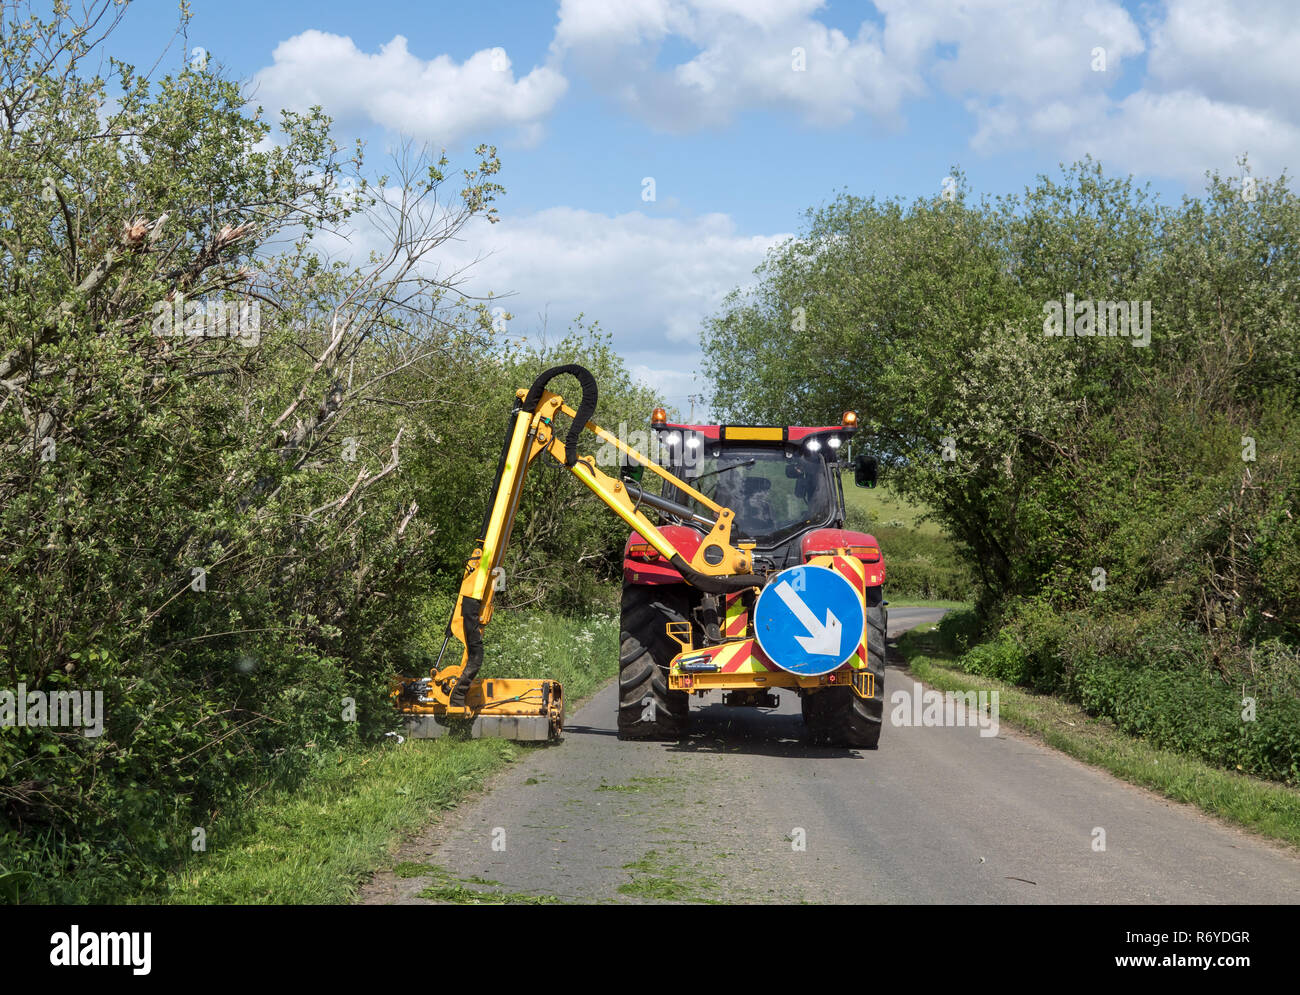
781,483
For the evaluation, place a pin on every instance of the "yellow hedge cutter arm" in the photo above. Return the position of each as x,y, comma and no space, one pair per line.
534,709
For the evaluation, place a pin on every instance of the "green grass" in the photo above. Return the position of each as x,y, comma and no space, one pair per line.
456,894
888,508
451,890
656,878
317,842
410,869
910,602
1264,807
921,562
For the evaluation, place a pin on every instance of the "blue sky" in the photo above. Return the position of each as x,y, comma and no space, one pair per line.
704,96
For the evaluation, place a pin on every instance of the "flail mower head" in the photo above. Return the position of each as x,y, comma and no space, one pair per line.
504,707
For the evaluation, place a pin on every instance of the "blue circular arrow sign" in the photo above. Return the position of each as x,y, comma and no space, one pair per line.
809,620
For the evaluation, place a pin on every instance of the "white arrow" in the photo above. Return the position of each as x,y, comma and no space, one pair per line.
825,639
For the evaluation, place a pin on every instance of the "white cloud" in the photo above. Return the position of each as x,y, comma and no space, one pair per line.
1183,134
1221,77
1024,69
596,22
1245,53
1220,82
675,386
437,100
648,281
745,57
1026,50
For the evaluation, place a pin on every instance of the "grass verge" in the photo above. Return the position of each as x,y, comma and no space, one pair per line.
1266,808
314,844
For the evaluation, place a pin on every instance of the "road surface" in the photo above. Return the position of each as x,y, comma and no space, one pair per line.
745,811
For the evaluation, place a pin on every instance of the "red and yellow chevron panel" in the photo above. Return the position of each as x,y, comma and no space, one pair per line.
737,617
745,656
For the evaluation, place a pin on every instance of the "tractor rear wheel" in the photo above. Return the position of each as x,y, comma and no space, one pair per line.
836,715
647,709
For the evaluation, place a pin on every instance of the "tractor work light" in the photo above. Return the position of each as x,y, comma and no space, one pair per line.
833,442
658,417
813,445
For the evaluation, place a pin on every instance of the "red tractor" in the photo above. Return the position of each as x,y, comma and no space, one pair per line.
747,583
784,486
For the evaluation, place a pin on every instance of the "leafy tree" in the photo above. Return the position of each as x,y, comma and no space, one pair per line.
234,472
1168,471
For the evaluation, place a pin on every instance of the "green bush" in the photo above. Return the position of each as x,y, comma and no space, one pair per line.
1001,658
919,565
959,630
921,579
1127,514
1194,710
1151,676
326,477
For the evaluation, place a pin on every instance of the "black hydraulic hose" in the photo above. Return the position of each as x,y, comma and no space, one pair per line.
585,410
470,608
715,585
705,582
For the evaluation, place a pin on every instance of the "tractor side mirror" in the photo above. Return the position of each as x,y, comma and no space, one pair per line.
866,469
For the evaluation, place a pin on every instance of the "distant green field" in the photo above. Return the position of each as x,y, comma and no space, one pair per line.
920,560
884,507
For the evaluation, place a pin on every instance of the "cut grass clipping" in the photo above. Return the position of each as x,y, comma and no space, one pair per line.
1263,807
453,891
657,878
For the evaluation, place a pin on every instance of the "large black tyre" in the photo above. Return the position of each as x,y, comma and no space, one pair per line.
647,709
836,715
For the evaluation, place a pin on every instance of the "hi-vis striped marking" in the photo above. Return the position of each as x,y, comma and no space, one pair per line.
737,617
855,572
747,657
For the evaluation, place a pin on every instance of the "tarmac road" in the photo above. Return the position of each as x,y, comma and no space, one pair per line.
744,810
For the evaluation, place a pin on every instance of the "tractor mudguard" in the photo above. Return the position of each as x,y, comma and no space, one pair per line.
648,567
823,542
